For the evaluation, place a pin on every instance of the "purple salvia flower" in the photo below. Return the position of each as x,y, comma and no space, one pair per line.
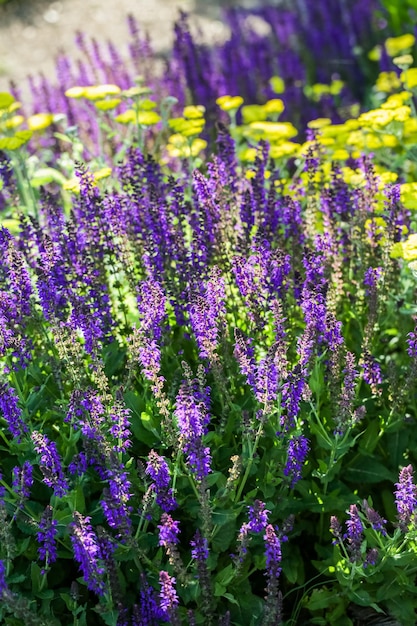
199,548
412,344
336,530
6,173
371,557
22,481
243,540
354,534
273,597
200,552
50,464
115,501
120,427
87,552
372,276
46,536
151,304
148,612
244,355
191,412
298,448
346,398
157,469
258,517
2,490
168,599
3,584
272,552
371,371
207,315
168,531
406,497
377,522
267,379
11,411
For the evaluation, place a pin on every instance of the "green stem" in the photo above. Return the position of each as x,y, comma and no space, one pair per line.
250,463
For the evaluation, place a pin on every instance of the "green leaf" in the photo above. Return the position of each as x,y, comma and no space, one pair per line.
226,575
6,100
36,577
14,143
224,536
368,470
47,175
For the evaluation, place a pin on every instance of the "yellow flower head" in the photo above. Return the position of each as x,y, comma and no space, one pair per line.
406,250
272,131
179,146
396,45
286,149
194,112
143,118
396,100
376,117
409,195
409,77
320,122
387,82
403,61
277,84
229,103
275,105
40,121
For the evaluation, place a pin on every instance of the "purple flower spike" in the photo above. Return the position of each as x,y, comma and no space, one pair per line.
46,536
168,596
22,480
87,552
168,531
3,585
297,451
354,533
50,464
157,469
258,517
406,497
272,552
11,411
199,545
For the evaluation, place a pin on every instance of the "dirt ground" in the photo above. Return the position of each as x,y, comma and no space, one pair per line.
33,31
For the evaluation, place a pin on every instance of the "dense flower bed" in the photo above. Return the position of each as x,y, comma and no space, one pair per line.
208,337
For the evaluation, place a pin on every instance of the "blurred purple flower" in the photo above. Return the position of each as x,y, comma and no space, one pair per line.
371,557
377,522
3,584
